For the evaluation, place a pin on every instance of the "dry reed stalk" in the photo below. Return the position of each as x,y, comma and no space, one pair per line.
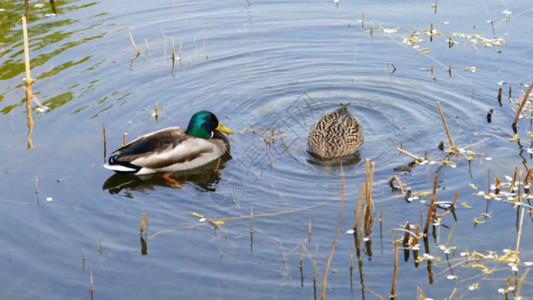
369,199
528,176
452,145
144,223
99,246
36,185
309,241
395,272
358,211
514,178
147,47
519,235
415,237
325,278
173,51
500,96
406,235
431,206
124,139
369,204
251,221
450,70
302,258
452,294
450,236
417,158
105,141
28,81
135,46
315,269
524,100
400,184
363,19
507,284
92,285
498,185
519,288
510,89
455,198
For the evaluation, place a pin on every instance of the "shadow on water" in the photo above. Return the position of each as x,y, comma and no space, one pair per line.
204,178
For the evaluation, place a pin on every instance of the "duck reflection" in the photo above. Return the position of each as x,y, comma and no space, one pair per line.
204,178
334,162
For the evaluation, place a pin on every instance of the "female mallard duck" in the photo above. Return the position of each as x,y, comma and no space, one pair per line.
336,134
173,149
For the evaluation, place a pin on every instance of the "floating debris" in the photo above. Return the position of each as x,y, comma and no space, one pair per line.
389,30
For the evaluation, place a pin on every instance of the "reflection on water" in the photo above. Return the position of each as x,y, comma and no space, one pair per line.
52,33
336,162
205,179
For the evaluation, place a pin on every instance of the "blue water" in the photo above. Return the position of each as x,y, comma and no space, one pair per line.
257,66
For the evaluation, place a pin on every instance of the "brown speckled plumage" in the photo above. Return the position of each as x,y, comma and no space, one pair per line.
336,134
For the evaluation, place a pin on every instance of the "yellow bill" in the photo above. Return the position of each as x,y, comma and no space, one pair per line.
224,129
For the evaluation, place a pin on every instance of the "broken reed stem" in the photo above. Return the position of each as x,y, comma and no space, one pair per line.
144,223
358,211
369,200
92,284
309,241
514,178
363,20
452,145
450,236
99,247
519,236
455,198
124,139
406,235
135,46
28,80
528,175
417,158
147,47
325,278
522,104
252,221
105,141
173,50
519,288
400,184
26,10
302,258
315,268
26,54
430,211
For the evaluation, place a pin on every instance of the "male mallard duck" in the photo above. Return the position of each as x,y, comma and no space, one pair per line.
174,149
336,134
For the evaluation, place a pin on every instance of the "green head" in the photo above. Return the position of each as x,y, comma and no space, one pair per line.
203,124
